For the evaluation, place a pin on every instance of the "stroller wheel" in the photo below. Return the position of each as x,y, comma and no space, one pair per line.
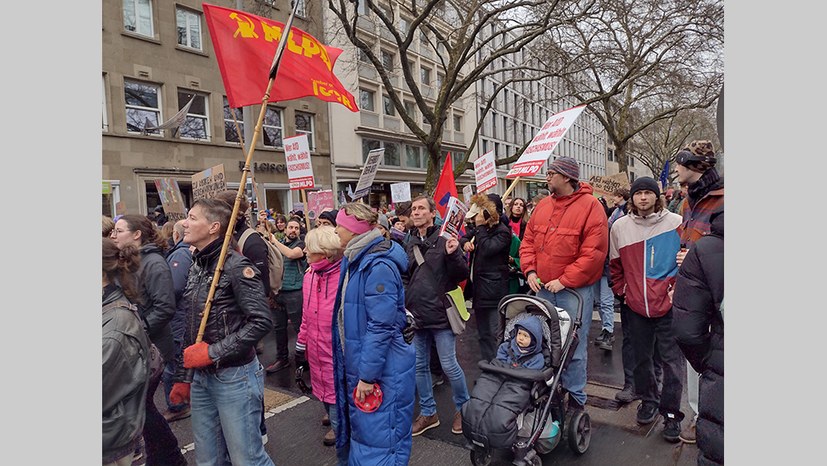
479,458
579,432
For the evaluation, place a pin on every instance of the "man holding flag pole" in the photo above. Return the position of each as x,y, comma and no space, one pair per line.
220,371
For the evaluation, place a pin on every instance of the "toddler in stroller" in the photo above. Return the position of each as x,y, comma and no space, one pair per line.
516,412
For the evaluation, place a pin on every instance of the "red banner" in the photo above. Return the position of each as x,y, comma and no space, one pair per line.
245,45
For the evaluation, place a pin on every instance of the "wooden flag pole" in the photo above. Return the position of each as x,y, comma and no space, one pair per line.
306,209
231,225
511,188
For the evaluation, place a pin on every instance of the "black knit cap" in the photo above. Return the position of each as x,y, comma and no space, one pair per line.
330,216
644,182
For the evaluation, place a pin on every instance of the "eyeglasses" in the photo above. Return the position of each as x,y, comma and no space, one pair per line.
118,232
550,175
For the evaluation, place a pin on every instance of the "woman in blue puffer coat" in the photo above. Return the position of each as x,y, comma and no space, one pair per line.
368,345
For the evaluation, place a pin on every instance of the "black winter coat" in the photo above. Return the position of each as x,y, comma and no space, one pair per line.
255,249
489,265
239,315
699,329
157,306
427,285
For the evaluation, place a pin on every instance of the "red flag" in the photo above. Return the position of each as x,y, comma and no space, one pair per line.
445,187
244,48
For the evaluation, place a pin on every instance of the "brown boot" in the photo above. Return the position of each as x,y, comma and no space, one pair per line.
456,427
423,423
329,438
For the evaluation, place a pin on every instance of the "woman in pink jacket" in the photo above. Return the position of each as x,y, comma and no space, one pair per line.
324,254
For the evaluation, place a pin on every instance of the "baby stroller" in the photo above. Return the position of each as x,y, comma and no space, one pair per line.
517,414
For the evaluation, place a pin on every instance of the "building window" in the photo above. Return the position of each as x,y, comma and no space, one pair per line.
457,123
425,76
403,26
189,28
391,154
137,17
301,10
387,61
367,146
197,123
104,116
366,99
413,157
387,106
631,161
456,158
142,105
230,134
440,78
360,7
363,57
304,125
272,127
410,109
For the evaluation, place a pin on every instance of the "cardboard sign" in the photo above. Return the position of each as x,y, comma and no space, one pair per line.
468,193
485,172
299,167
454,218
171,198
206,184
368,172
318,202
298,206
605,185
400,192
543,144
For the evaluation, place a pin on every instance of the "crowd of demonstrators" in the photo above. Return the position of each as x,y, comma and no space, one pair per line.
126,357
487,241
314,342
226,393
179,258
677,200
699,328
435,266
156,307
288,302
369,348
565,246
643,249
695,167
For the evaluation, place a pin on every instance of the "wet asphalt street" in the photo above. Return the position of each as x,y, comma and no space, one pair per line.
295,432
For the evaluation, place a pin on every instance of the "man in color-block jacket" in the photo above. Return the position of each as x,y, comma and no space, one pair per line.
643,267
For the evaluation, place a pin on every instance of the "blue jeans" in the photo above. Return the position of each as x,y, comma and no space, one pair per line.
226,409
330,409
607,304
574,376
447,350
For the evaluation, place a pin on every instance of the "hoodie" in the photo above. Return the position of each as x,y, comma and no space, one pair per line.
531,357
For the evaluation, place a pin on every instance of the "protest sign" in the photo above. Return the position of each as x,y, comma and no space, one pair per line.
485,172
299,166
543,144
400,192
454,218
318,202
206,184
171,198
467,193
368,173
605,185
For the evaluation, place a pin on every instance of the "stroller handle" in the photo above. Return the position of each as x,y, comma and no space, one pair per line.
579,316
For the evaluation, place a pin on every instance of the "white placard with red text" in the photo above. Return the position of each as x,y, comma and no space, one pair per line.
299,167
543,144
485,172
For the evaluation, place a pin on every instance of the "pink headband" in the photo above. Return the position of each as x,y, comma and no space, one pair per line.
351,223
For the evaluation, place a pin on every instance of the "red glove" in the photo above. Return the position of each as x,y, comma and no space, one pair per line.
196,356
180,393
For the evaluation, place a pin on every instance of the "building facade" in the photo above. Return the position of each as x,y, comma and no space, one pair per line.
157,57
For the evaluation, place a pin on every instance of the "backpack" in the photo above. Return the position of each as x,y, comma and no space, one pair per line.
275,261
